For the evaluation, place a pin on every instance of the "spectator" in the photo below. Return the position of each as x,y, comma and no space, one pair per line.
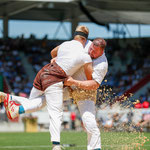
73,119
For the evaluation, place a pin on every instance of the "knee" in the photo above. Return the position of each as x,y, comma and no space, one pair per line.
90,124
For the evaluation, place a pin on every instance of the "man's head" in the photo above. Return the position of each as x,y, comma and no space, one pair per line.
81,34
97,48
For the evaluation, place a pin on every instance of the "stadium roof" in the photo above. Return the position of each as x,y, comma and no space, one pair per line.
102,11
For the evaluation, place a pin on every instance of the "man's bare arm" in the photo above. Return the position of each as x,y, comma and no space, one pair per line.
54,52
87,85
88,69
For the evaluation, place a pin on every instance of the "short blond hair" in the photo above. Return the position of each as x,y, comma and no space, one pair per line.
83,29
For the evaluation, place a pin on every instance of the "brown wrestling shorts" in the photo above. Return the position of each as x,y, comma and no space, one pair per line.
49,75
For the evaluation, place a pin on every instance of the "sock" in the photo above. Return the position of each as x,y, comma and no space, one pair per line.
21,109
55,143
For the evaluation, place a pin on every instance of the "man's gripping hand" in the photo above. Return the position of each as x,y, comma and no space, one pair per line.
53,60
69,81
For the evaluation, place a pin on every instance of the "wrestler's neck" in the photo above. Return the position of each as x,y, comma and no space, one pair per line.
81,40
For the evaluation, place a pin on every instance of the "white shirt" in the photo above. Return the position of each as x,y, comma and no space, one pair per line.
71,56
100,67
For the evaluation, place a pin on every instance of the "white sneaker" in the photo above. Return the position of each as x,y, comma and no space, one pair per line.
11,107
2,96
58,147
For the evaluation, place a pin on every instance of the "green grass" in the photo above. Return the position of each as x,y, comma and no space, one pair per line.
40,141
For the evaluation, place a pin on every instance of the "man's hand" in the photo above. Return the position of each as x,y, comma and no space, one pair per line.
53,60
69,81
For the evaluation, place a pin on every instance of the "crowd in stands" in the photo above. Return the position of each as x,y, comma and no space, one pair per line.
11,66
129,62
